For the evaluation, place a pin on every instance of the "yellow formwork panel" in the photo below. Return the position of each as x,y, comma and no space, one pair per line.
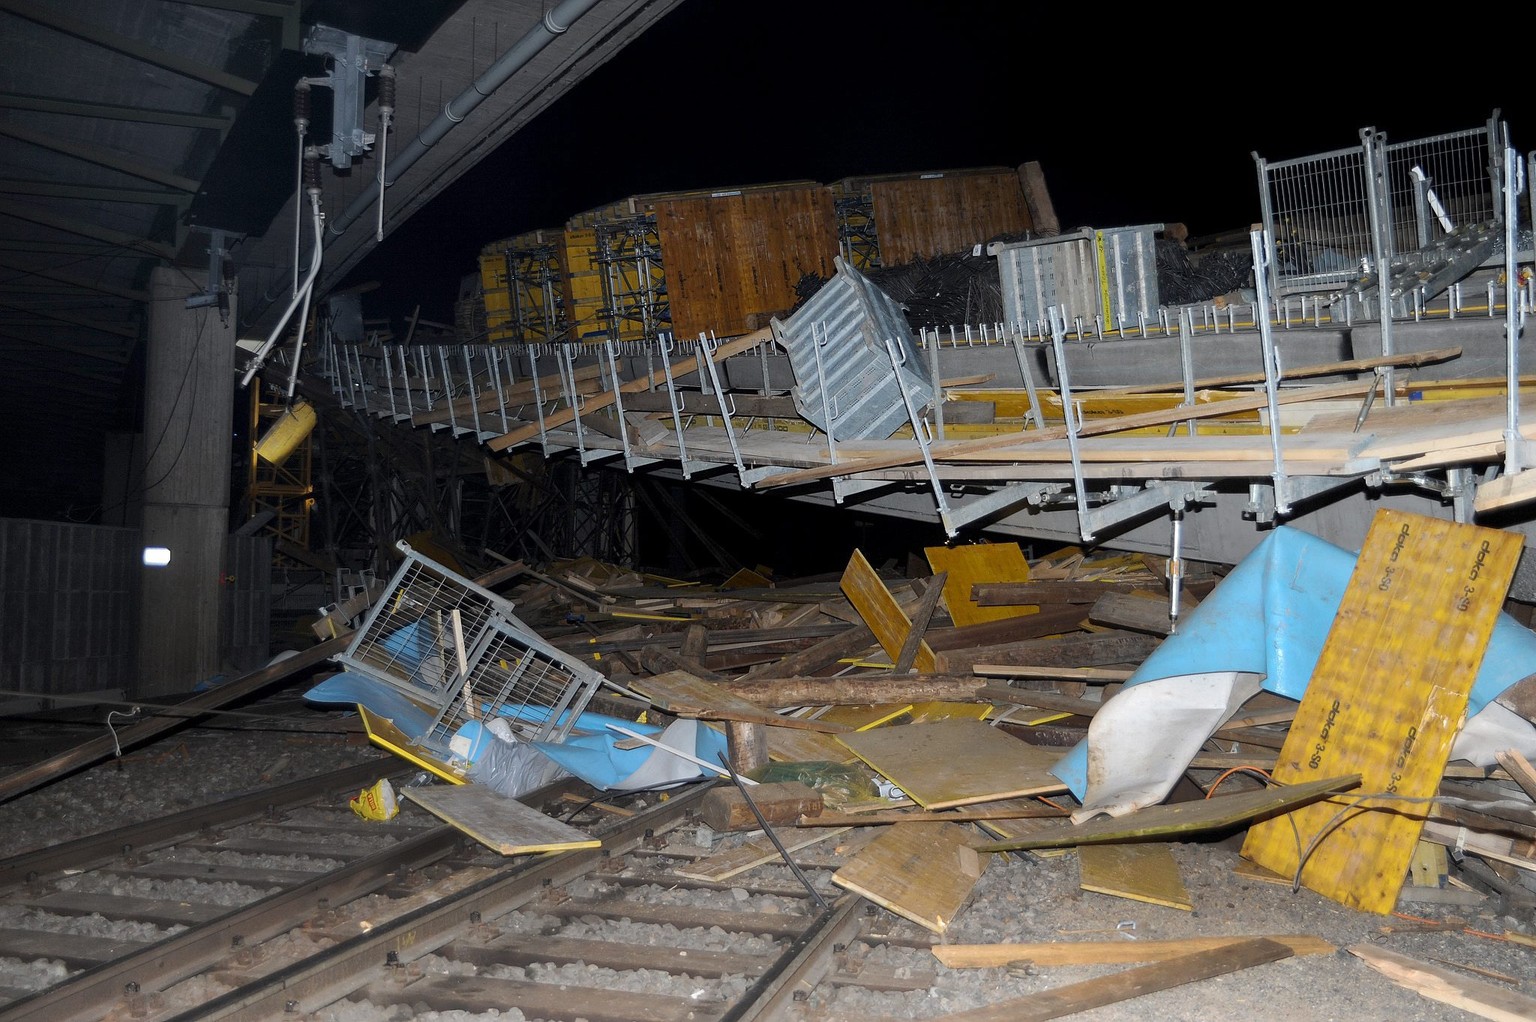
973,563
1385,701
494,293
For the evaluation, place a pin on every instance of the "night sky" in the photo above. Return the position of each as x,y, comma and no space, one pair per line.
1134,119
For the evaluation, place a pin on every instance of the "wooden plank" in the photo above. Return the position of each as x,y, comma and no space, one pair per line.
1485,1000
920,618
1013,809
1138,613
974,564
1107,952
830,650
956,762
1385,700
1015,444
1520,769
1506,491
754,853
1122,986
502,824
995,594
683,695
1083,674
1097,650
1048,620
1182,817
1141,872
880,611
921,871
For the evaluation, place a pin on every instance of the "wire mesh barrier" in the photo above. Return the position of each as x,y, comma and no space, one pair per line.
458,651
1320,210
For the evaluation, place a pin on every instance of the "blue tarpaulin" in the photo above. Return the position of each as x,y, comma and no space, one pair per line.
1265,624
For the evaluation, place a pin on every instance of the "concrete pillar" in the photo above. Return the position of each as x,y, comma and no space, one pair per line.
189,392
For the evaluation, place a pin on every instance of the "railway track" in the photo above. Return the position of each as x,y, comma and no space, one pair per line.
283,904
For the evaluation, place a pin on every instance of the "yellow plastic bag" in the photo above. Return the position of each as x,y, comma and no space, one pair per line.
377,802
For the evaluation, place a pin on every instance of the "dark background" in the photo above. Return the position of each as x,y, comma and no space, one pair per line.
1134,118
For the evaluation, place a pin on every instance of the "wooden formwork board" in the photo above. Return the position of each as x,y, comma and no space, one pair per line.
880,611
921,871
1385,701
956,762
500,823
923,215
732,258
971,563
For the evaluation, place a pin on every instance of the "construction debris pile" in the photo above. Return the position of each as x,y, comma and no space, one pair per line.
1361,720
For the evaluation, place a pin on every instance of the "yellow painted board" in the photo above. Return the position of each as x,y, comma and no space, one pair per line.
864,716
978,562
1107,952
1385,701
383,733
956,762
880,611
921,871
500,823
936,709
1145,871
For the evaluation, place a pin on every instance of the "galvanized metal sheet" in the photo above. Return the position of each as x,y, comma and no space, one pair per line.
846,381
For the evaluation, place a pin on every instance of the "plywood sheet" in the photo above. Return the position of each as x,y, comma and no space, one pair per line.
978,562
956,762
1144,871
881,612
1385,700
787,745
921,871
733,257
383,733
932,214
500,823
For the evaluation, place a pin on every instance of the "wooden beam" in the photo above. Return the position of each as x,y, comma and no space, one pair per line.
1122,986
1008,442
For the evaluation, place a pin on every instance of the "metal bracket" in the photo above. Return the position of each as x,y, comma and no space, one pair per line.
1155,495
998,500
710,346
675,400
1070,416
353,57
920,432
